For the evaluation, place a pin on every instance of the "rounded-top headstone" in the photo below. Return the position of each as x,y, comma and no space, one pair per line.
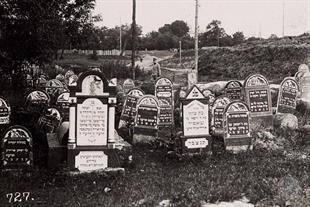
303,68
5,111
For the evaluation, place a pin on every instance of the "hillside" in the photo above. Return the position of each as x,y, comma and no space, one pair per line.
274,58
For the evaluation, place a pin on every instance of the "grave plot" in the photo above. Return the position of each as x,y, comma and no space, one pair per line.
92,144
258,98
5,112
234,90
16,146
128,85
129,109
62,103
237,133
195,115
147,119
287,96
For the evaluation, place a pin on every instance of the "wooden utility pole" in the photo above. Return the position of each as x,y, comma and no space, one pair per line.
120,36
180,50
133,38
196,41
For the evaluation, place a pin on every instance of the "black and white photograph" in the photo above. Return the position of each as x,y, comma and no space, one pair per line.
155,103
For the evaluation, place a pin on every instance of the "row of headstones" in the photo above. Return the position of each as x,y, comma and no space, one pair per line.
252,101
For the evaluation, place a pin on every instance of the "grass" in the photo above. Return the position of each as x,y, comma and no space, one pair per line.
156,176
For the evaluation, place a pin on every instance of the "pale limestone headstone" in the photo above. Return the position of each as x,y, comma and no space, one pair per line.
218,108
5,111
287,96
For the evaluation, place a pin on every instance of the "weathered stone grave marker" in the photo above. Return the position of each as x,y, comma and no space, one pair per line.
195,113
17,148
41,82
50,120
129,108
164,93
73,80
146,120
63,105
5,111
128,85
67,76
287,96
234,90
37,100
92,115
258,98
53,88
237,135
305,88
218,108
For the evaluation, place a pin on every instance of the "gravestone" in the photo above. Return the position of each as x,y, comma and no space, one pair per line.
37,100
258,98
147,118
67,76
287,96
17,148
63,105
303,68
128,85
41,82
305,88
53,88
50,120
5,111
91,143
234,90
129,108
72,81
164,93
195,115
237,133
29,81
218,108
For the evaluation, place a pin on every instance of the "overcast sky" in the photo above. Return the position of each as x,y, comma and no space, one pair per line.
253,17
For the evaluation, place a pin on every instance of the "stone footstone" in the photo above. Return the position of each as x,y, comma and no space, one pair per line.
143,139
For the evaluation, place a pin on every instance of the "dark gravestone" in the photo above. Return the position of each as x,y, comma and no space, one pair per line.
5,111
237,136
53,88
164,93
287,96
128,85
234,90
195,114
218,108
258,98
305,88
62,103
129,108
146,120
41,82
50,120
17,148
36,101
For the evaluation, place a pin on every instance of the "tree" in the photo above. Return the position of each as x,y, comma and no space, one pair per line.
213,34
179,28
238,38
34,30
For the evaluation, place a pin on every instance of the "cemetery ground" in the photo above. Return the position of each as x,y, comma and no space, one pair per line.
157,174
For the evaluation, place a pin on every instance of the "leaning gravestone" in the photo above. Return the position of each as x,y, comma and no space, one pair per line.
50,120
195,114
234,90
258,98
287,96
146,120
237,135
17,148
129,109
218,108
128,85
5,111
37,100
91,143
63,105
